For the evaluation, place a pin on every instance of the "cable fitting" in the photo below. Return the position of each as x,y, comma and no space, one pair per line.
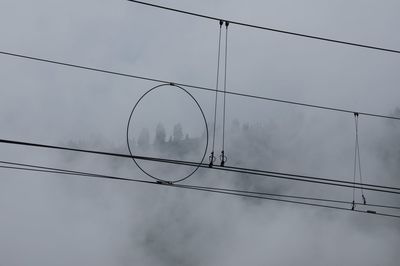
221,22
226,24
356,114
223,158
161,182
211,159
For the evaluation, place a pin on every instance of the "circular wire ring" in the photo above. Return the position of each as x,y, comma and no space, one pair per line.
205,124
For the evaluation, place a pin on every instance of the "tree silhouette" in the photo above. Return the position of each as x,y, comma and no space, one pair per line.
159,140
178,133
144,139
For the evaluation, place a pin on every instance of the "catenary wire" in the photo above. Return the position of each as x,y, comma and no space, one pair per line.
252,96
294,177
219,188
382,49
198,188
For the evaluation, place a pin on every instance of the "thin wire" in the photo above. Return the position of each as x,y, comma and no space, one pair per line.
131,124
57,170
104,71
222,189
212,157
218,188
359,159
215,188
355,163
286,176
295,177
223,156
270,29
206,189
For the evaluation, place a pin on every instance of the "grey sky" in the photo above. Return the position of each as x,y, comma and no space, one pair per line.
51,220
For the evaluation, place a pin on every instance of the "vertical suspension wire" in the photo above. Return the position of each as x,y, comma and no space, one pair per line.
223,156
357,161
212,157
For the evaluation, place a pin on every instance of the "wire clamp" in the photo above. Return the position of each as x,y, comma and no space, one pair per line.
223,158
353,205
211,159
162,182
364,200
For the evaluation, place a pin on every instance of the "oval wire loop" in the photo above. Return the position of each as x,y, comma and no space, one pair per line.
130,122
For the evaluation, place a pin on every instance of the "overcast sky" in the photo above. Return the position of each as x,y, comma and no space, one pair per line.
55,220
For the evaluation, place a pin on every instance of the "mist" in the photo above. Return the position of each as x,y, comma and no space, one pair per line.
48,219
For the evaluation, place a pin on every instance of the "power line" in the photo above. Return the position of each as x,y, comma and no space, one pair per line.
198,188
222,189
270,29
121,74
294,177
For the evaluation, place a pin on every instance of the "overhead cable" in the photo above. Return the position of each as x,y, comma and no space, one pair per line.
296,34
111,72
294,177
219,188
198,188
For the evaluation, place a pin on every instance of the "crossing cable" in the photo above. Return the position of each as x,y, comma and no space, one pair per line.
382,49
264,173
223,156
197,87
212,157
198,188
218,188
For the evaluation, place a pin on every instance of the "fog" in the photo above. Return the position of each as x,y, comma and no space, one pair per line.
48,219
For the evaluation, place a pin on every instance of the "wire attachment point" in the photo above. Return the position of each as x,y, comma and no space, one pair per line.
364,200
162,182
212,159
223,158
353,205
